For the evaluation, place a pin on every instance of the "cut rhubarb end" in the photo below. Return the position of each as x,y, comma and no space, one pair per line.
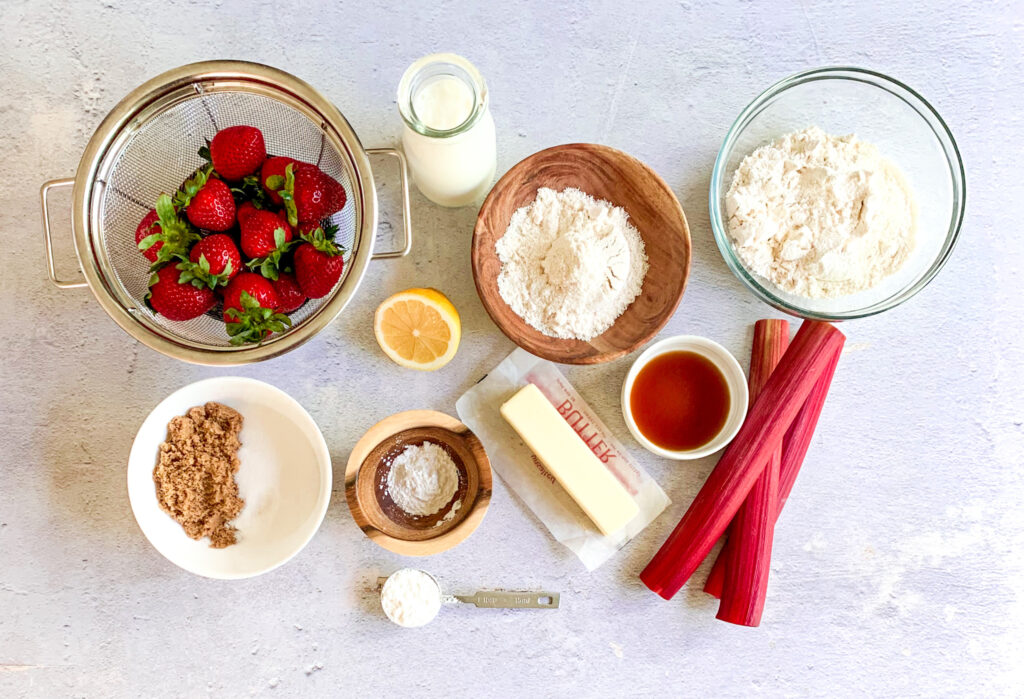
814,347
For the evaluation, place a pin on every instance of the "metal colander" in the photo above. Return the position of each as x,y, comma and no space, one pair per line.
149,144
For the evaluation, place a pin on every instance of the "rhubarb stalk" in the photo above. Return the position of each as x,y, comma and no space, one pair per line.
798,439
814,347
794,449
748,549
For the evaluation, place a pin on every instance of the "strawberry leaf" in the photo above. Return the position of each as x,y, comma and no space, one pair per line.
165,209
330,230
249,189
150,240
198,273
287,194
319,239
253,323
177,235
191,186
270,265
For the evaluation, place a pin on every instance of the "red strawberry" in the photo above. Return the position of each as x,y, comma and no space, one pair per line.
289,294
336,196
212,207
164,236
244,210
265,238
250,304
148,227
213,261
237,151
310,195
317,271
318,263
177,300
258,233
275,167
256,286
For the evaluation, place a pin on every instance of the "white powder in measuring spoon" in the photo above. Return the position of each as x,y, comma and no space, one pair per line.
410,597
423,479
570,264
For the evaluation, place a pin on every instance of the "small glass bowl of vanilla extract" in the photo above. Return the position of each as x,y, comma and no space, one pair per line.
685,397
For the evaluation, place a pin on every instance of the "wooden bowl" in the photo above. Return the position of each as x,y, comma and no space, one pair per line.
603,173
385,522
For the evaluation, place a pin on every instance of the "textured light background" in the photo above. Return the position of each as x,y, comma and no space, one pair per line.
898,566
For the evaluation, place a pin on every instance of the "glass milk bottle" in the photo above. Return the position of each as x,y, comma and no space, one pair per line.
448,135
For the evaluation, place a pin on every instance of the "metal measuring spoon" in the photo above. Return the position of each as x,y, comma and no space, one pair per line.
428,605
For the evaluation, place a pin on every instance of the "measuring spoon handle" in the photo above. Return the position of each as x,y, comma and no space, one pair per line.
501,599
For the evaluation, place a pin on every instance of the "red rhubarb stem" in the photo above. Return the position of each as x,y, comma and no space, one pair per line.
798,438
813,348
794,450
748,548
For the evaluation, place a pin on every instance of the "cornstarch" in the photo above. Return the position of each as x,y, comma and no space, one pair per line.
410,598
570,264
423,479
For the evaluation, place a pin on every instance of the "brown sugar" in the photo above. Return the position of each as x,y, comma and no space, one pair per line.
195,472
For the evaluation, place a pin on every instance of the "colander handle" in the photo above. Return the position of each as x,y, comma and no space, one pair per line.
406,219
50,269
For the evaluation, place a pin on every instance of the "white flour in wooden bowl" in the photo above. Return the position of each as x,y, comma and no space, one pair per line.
423,479
821,216
570,264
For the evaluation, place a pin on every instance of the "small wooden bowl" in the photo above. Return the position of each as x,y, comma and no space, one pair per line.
386,523
603,173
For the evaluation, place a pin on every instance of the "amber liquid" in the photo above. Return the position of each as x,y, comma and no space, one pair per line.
680,400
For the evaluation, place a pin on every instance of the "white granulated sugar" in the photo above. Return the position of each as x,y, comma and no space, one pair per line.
570,264
821,216
410,598
423,479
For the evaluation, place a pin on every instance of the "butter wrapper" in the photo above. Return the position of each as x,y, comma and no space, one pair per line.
523,473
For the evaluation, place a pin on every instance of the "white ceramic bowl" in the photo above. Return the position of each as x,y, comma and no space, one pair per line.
734,377
285,480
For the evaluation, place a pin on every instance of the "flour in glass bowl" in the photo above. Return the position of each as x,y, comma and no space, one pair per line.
821,216
570,264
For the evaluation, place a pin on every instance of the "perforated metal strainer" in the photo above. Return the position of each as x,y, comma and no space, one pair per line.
149,144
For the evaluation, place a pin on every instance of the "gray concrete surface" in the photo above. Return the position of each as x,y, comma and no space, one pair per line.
899,565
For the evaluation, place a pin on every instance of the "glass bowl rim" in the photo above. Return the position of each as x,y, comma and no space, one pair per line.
875,79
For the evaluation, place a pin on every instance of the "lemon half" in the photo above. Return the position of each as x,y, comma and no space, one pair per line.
418,329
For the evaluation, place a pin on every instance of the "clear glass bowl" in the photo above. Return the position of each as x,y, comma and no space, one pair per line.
879,110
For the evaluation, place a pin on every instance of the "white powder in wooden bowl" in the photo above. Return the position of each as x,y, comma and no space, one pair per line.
423,479
821,216
570,264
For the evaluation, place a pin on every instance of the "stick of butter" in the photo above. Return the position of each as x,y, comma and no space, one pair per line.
564,453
